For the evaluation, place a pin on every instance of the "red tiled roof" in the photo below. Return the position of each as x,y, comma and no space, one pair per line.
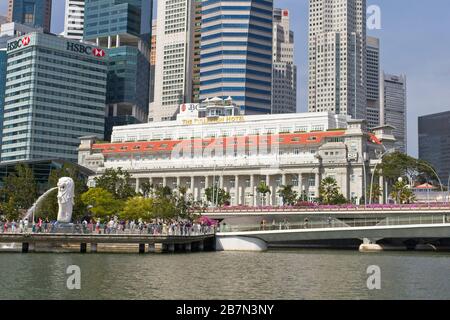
310,138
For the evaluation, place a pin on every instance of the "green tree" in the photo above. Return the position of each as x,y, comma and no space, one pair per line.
329,192
49,206
220,196
401,193
9,210
164,208
263,190
20,188
147,189
117,182
289,196
398,164
101,202
138,208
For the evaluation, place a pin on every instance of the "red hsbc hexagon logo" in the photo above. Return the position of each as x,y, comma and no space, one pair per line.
26,41
183,108
98,52
286,13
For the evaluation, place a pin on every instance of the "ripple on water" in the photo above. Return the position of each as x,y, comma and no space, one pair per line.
278,274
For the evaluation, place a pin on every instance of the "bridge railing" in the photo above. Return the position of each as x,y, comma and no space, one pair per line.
313,207
195,230
336,223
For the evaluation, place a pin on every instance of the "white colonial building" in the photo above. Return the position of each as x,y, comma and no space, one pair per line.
213,142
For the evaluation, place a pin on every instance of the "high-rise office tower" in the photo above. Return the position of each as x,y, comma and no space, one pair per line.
393,107
434,142
373,82
123,28
3,60
284,75
197,52
55,93
74,19
236,53
35,13
337,57
174,57
152,64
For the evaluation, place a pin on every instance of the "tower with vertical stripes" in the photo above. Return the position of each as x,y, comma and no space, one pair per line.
236,53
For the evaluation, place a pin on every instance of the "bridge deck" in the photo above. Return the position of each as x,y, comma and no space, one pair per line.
101,238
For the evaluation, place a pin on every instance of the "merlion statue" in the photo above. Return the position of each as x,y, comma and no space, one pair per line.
66,193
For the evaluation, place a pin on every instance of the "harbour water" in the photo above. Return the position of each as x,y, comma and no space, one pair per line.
275,274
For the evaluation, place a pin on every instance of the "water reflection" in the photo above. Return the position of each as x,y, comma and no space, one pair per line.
287,274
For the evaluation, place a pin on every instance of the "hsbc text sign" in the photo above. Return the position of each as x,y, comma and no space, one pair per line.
25,41
85,49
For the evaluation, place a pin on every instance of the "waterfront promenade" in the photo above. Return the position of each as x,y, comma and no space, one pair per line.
86,238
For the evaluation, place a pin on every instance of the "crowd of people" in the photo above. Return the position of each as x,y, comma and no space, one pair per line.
171,227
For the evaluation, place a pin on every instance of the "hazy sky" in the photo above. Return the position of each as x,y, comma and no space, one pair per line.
415,40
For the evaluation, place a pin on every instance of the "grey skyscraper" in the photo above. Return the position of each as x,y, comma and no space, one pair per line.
34,13
55,93
123,28
337,57
434,142
284,74
373,82
393,107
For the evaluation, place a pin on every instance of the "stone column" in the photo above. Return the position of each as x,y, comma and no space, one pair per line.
269,195
137,185
253,189
300,183
178,181
317,184
164,181
109,42
117,41
382,187
237,190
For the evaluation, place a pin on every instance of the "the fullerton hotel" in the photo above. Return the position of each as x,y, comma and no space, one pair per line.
211,142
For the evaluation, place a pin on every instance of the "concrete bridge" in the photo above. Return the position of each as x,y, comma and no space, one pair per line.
394,234
61,242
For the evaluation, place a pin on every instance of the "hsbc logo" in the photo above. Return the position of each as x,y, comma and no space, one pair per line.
81,48
26,41
19,43
99,52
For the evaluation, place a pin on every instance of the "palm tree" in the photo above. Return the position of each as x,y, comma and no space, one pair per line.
328,191
401,193
263,189
288,195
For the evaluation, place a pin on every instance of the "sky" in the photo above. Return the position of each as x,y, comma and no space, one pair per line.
414,40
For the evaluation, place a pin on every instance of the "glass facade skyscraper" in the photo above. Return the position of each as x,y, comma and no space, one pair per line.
55,94
34,13
123,28
236,53
434,142
3,60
